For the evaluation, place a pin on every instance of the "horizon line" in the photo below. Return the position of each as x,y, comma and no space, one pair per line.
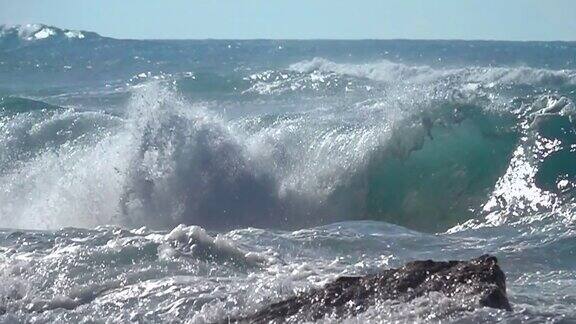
300,39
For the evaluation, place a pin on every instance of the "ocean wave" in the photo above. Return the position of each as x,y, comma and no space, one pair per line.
134,191
32,32
391,72
194,241
420,162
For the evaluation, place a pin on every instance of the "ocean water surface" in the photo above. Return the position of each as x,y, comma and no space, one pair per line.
190,181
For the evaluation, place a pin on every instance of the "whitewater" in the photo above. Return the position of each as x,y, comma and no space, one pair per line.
194,181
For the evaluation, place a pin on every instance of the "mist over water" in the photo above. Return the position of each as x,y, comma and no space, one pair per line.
288,163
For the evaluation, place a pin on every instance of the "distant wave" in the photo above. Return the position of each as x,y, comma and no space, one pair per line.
395,72
36,32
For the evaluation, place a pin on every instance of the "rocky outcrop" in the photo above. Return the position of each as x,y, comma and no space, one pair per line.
479,279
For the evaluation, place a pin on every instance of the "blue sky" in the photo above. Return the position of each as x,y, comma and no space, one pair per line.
305,19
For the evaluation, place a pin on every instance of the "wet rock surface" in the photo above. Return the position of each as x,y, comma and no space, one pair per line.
479,279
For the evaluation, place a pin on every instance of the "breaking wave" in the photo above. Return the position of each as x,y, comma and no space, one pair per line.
430,149
393,72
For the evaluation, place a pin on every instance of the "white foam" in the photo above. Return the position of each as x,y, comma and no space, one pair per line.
397,72
379,71
74,34
44,33
27,31
34,32
195,238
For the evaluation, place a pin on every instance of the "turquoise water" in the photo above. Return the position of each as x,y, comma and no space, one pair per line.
288,163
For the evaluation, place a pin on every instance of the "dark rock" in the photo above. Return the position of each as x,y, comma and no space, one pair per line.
478,279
